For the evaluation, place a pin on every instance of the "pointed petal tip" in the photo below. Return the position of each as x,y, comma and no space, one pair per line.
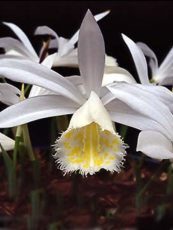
88,11
108,11
124,36
88,14
6,23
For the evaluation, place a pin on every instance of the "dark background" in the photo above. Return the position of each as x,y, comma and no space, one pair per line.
147,21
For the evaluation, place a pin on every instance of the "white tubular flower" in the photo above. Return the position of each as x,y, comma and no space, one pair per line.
91,141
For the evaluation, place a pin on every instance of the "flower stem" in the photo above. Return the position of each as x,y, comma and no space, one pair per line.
27,142
17,143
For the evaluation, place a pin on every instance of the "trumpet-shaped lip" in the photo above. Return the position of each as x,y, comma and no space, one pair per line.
90,142
89,149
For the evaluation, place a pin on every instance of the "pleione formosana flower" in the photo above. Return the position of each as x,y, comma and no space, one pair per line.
66,54
161,74
91,142
153,143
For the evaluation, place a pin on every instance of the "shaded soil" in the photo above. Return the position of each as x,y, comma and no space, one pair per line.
48,200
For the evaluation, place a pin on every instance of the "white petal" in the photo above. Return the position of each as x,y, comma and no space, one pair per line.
70,60
75,79
155,145
92,110
164,73
22,36
37,91
145,103
91,53
45,30
65,47
78,82
110,61
49,60
97,17
114,74
53,43
11,45
162,93
33,73
36,108
167,63
149,53
6,142
13,53
139,60
8,94
168,80
124,114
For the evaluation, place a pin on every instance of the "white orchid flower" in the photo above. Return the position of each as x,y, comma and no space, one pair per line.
66,55
21,47
66,51
159,74
163,94
91,141
152,142
163,74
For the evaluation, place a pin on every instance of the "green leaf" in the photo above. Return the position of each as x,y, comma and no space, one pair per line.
11,173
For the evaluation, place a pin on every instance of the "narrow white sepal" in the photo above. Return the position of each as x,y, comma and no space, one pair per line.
91,54
35,108
22,36
153,62
97,17
138,58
